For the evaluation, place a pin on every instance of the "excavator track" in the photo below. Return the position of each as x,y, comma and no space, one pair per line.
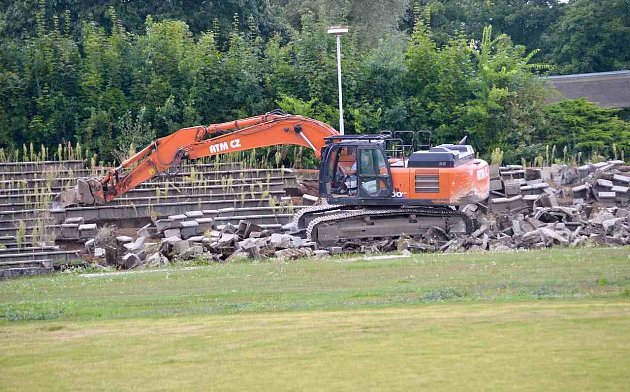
297,224
351,226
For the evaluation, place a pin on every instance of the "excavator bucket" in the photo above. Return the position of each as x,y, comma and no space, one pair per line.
88,191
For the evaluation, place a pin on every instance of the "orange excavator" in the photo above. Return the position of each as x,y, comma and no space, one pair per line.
368,195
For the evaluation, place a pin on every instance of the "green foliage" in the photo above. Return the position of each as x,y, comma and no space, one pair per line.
592,36
583,126
486,89
496,157
112,78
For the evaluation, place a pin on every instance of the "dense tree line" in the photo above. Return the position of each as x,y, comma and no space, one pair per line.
109,75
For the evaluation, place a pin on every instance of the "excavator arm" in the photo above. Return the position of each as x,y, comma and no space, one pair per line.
165,154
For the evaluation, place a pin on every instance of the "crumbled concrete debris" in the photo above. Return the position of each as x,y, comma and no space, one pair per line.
321,253
144,231
529,208
295,253
156,259
130,260
89,244
124,239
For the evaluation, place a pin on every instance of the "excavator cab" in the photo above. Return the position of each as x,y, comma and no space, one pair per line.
354,170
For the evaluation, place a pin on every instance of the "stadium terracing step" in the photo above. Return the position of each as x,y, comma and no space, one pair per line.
225,192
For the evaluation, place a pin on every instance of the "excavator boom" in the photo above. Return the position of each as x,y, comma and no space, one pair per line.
166,153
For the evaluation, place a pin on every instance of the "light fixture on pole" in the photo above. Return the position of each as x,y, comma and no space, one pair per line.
338,31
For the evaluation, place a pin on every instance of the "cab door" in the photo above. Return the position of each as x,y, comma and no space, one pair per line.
354,174
374,178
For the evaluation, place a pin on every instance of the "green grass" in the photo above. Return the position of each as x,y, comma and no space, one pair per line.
556,319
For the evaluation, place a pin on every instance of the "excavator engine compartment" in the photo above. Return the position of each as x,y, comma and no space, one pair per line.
444,155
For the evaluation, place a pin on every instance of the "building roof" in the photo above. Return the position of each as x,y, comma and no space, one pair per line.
607,89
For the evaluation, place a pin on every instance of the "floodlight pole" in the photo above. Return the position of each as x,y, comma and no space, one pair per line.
338,31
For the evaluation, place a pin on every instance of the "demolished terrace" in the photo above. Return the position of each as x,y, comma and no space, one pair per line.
220,212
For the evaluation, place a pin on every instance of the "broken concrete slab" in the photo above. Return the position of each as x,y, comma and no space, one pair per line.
144,231
130,260
194,214
172,233
164,224
124,239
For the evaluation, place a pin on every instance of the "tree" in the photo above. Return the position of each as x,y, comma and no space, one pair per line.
487,89
524,21
592,36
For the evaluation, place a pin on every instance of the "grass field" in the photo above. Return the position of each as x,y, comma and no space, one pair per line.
556,319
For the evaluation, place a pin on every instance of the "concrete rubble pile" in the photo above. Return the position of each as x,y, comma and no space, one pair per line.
529,208
532,208
247,240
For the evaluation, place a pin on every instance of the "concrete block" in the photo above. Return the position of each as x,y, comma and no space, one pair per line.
499,204
533,174
583,171
605,183
309,199
204,224
512,188
621,180
124,239
78,220
135,246
89,244
516,202
189,229
181,246
99,252
611,225
164,224
551,235
172,233
622,193
144,231
178,217
70,230
247,243
494,172
156,259
530,200
496,185
281,240
194,214
295,242
131,260
606,195
547,200
227,239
